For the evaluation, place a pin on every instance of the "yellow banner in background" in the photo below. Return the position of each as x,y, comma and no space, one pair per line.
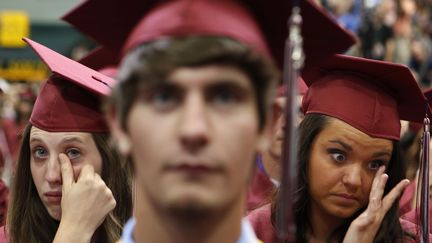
24,70
14,25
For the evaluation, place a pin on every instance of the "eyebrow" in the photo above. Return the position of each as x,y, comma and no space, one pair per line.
212,84
227,84
348,147
155,87
345,145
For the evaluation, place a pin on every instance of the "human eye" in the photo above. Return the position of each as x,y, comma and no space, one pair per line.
224,94
375,164
337,155
39,152
73,153
164,97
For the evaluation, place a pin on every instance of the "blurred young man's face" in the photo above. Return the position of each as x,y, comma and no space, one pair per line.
193,138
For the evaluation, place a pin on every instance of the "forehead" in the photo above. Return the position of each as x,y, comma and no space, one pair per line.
209,75
340,130
58,137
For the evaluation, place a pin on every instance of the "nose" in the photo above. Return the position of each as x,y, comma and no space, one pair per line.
53,171
352,177
194,123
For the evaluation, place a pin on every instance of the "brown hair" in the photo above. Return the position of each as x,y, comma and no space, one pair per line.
152,62
29,221
411,146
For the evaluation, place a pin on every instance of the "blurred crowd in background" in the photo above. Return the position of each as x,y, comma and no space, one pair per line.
398,31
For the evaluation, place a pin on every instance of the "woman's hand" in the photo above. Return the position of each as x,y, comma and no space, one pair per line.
366,225
84,204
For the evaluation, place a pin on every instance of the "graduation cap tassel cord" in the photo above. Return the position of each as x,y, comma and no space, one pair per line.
293,62
423,183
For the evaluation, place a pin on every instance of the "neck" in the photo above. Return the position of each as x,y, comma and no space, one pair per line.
155,224
322,223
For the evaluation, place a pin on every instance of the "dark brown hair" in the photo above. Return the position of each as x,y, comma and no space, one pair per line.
29,221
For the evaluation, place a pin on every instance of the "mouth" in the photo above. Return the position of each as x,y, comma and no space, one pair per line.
193,169
346,198
53,197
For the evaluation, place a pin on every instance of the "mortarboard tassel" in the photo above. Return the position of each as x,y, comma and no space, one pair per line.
293,62
423,185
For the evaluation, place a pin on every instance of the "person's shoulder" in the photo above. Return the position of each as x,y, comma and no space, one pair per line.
407,225
260,191
260,220
3,235
262,213
410,228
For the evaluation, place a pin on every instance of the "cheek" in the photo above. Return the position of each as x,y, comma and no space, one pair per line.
151,142
145,126
277,130
237,141
276,136
148,137
95,161
321,183
37,173
366,187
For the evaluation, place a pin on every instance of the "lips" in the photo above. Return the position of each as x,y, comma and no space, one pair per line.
193,169
53,197
346,198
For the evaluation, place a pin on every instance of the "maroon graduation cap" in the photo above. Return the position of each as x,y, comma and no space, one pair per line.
69,101
257,23
372,96
100,58
103,60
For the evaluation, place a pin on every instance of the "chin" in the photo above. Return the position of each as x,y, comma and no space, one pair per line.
343,213
191,210
55,214
194,205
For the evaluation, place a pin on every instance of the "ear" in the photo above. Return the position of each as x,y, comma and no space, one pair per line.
120,137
